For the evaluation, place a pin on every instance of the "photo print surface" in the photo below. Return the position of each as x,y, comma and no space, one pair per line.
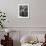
23,11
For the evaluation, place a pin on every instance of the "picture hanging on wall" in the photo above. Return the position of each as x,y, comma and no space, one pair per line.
23,10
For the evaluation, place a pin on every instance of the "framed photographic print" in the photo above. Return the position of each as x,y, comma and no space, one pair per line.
23,10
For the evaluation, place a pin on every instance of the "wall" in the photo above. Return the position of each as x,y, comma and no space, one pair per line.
37,12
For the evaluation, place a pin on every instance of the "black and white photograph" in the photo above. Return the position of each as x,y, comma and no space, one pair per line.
23,10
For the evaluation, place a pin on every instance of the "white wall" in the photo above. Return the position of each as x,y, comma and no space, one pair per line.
37,12
37,9
36,22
